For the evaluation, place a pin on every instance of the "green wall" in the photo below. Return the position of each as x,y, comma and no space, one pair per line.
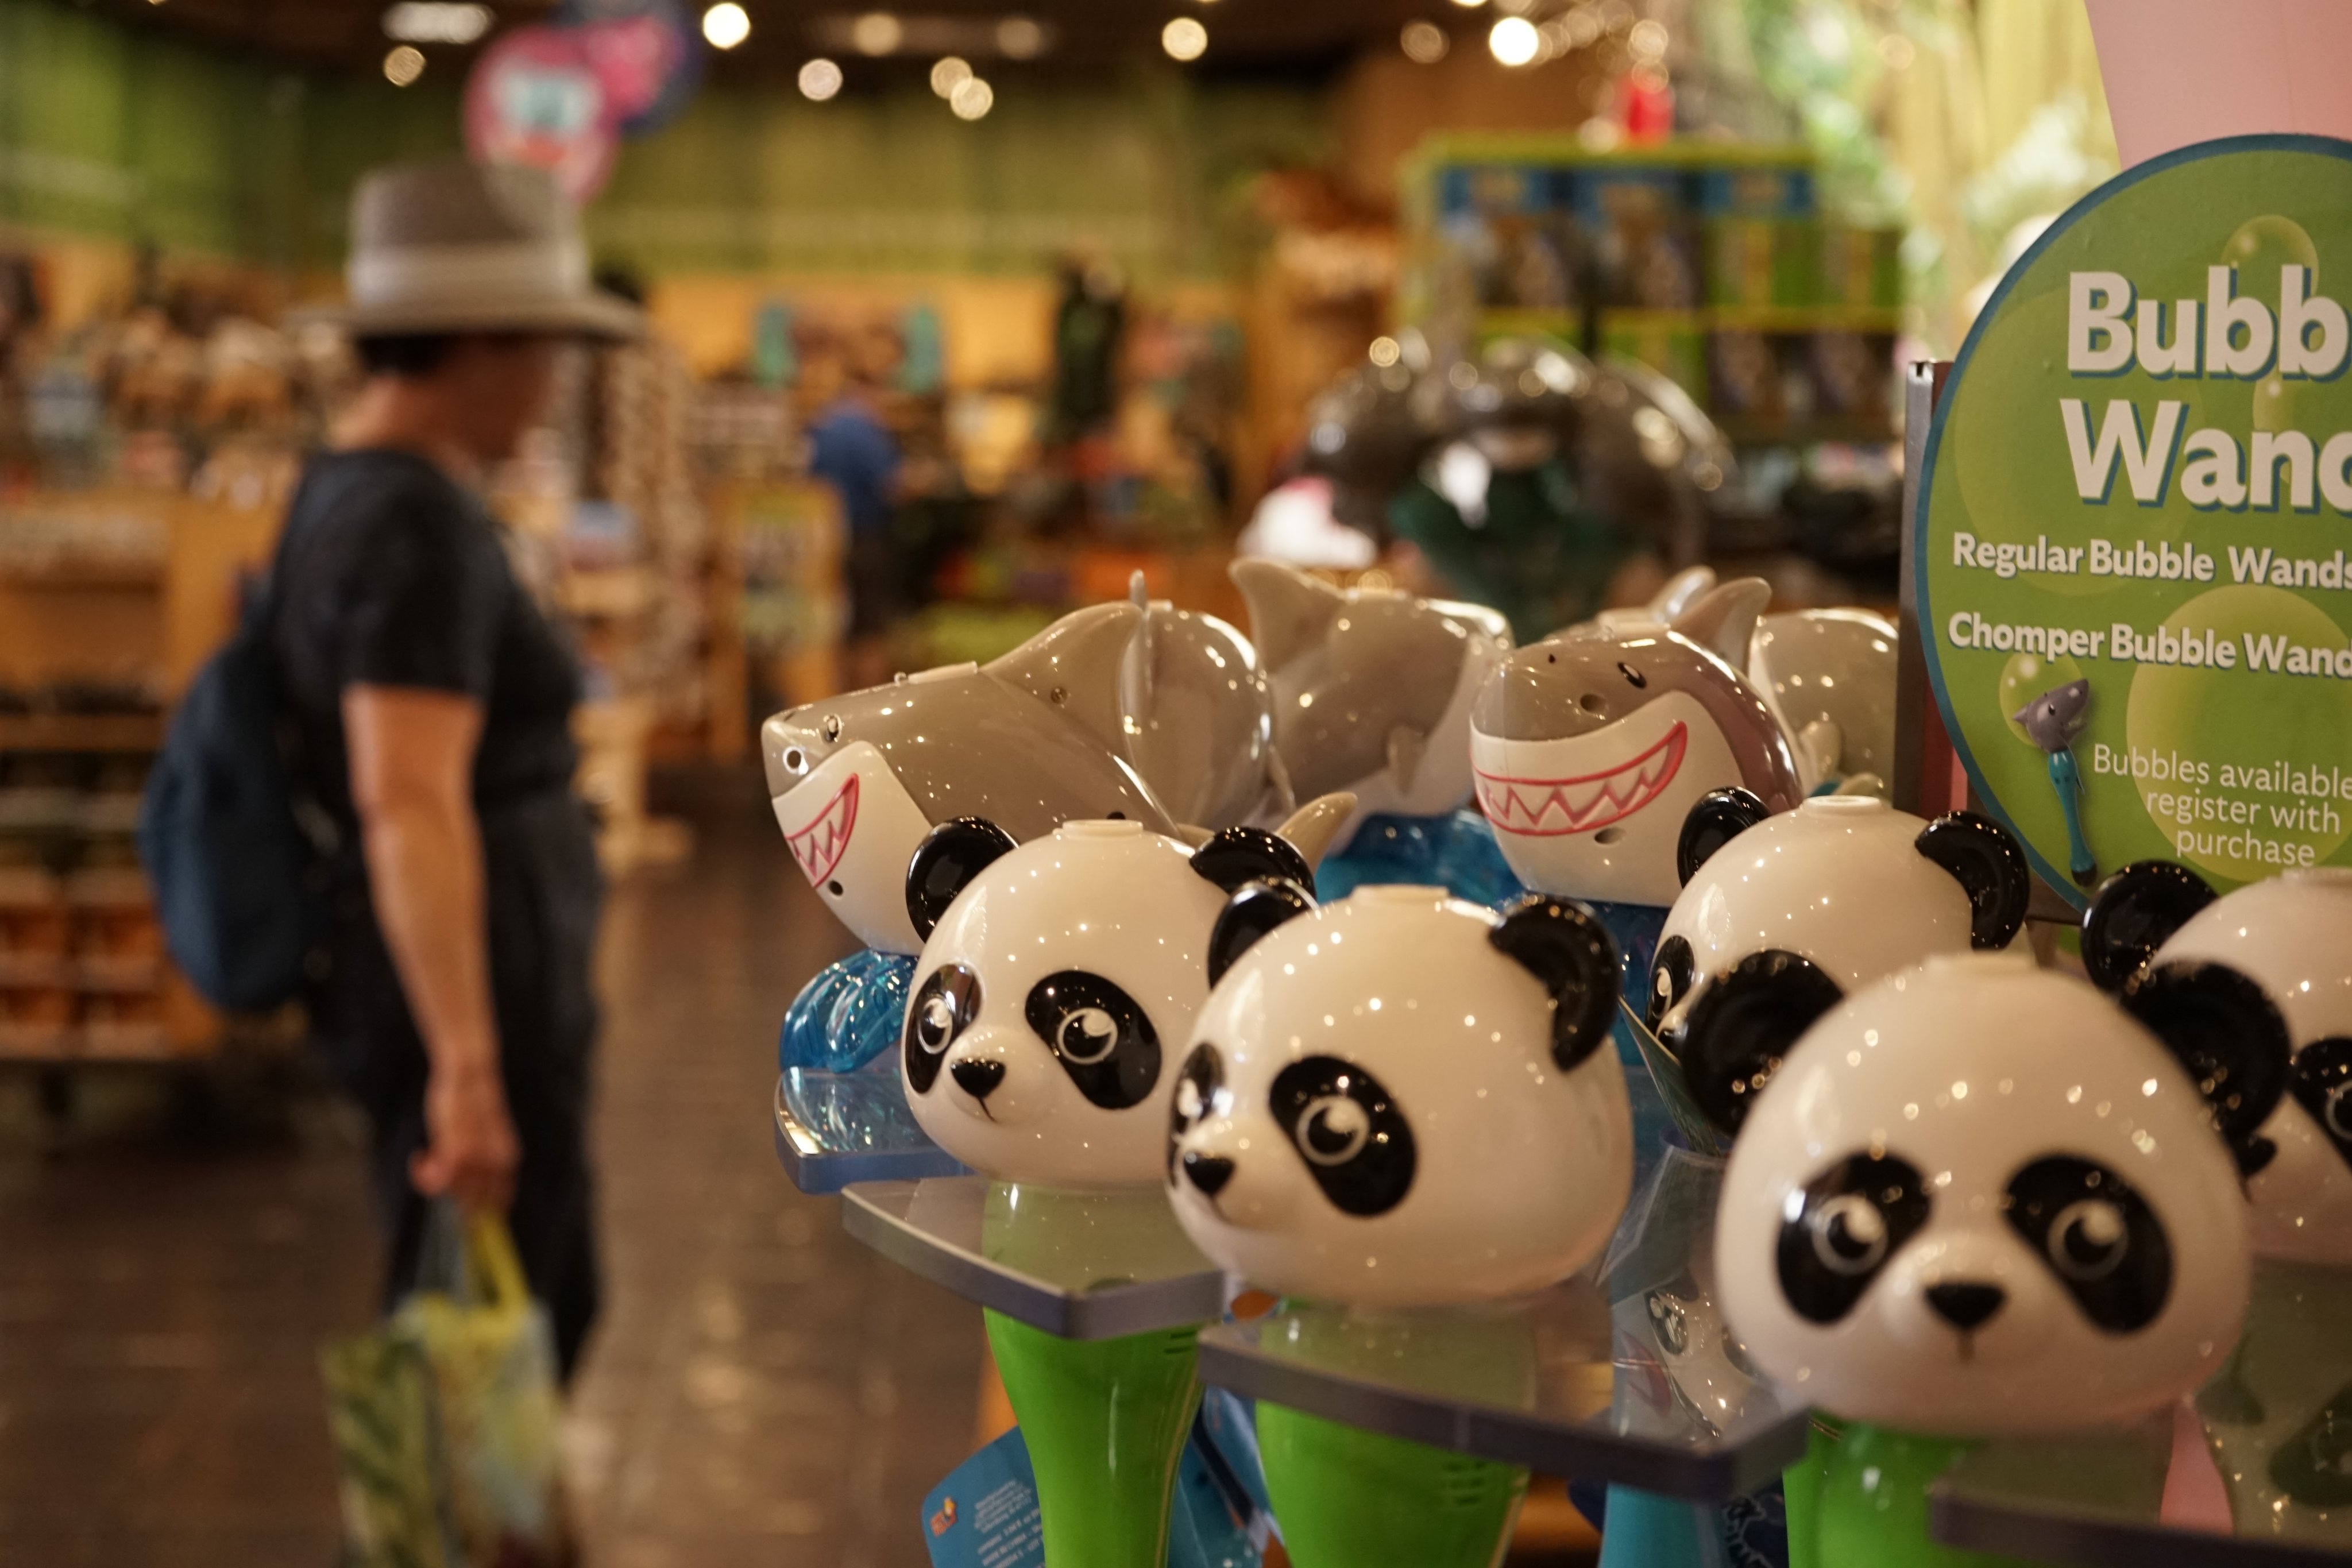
130,132
1148,171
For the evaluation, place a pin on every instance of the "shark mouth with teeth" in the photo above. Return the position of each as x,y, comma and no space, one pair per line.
1551,808
820,846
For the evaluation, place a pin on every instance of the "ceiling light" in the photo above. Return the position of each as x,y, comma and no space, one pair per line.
820,79
972,98
435,22
878,33
1184,39
1469,5
1425,43
1019,38
1515,41
1647,40
404,64
1385,351
949,75
726,25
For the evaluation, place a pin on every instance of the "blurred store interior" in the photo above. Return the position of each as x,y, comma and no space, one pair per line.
1529,302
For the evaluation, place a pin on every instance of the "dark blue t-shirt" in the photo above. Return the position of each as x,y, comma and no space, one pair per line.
852,453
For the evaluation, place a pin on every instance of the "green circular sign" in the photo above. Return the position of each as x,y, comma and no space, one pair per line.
2133,546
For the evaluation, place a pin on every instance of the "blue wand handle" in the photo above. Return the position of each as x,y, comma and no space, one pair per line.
2067,776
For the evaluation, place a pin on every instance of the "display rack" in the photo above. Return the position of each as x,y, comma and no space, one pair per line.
1428,1377
2075,1505
1096,1266
821,1169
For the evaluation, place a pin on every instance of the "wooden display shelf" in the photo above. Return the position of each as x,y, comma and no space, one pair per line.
130,576
80,731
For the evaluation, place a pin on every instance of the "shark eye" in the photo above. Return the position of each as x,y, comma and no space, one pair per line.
1632,675
831,728
795,760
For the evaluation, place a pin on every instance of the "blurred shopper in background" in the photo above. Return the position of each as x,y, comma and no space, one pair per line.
433,704
853,450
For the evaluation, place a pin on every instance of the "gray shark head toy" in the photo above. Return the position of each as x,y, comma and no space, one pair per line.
2057,716
1372,687
1030,740
1591,746
1198,712
1366,433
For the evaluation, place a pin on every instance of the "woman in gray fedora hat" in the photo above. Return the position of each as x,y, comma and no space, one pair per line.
433,701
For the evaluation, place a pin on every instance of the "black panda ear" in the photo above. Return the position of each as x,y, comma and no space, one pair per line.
1743,1025
1565,946
1990,868
946,861
2226,1032
1236,856
1716,818
1254,910
2134,912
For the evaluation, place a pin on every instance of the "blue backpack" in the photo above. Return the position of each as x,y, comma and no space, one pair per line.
235,849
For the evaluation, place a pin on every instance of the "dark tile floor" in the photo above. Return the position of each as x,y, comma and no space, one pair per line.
762,1390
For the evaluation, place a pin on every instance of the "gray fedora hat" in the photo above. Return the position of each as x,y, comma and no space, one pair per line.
453,247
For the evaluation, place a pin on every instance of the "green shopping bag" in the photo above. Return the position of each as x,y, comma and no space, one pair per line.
445,1416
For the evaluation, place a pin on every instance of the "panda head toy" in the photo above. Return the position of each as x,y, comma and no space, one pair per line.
1057,987
1783,915
1980,1199
2290,1116
1401,1100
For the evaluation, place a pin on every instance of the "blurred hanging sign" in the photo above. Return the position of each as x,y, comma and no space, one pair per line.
2182,71
649,49
2130,543
561,97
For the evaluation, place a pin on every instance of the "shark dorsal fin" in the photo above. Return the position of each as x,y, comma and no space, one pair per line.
1289,612
1683,587
1723,619
1074,664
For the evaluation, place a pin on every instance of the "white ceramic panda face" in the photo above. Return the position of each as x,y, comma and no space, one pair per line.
2292,934
1050,1004
1847,884
1977,1200
1373,1111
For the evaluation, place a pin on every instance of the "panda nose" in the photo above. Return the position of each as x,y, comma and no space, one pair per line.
977,1078
1208,1173
1966,1306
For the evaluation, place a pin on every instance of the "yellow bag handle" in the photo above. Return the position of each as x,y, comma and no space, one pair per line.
498,1269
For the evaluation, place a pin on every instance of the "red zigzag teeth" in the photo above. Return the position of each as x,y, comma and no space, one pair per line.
1525,806
820,846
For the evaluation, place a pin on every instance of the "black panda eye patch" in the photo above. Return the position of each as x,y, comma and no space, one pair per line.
1842,1226
1670,979
944,1008
2322,1085
1196,1096
1342,1123
1099,1033
2099,1238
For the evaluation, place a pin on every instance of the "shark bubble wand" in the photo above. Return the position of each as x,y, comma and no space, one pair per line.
2051,720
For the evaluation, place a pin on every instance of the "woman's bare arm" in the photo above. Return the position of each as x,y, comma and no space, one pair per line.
412,764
